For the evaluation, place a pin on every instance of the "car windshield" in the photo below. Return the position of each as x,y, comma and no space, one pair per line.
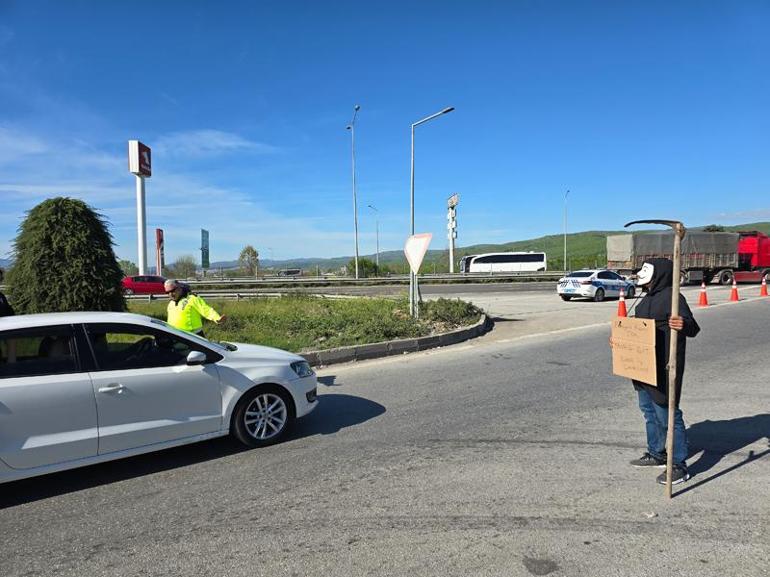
581,273
192,336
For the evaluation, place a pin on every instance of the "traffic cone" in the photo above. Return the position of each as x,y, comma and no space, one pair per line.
703,301
763,289
622,312
734,292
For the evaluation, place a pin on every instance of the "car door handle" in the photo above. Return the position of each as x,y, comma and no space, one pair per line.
112,388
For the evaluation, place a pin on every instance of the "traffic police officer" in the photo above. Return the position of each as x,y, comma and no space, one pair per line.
186,311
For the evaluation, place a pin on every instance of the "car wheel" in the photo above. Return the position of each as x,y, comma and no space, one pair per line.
128,292
630,292
565,297
263,416
599,295
726,277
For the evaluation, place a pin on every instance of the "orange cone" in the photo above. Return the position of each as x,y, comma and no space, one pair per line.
734,292
763,289
703,301
622,312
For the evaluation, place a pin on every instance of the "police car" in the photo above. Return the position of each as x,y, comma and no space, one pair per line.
595,284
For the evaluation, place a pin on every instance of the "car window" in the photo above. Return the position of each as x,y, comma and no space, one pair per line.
606,275
120,347
37,351
581,274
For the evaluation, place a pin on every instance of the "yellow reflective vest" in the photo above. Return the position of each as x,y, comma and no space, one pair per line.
188,313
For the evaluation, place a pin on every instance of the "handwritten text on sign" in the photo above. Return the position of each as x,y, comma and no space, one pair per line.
633,349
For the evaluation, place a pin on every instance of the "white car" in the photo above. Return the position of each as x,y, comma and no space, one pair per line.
595,284
83,388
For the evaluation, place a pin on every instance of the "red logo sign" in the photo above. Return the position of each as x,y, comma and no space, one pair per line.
145,161
139,158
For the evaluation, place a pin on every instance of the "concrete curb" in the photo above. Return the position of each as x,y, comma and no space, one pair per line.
398,347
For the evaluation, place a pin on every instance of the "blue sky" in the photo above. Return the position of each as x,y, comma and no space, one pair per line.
640,109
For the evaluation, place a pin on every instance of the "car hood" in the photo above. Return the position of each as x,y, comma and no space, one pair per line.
258,354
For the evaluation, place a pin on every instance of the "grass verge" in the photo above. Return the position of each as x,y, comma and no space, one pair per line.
304,323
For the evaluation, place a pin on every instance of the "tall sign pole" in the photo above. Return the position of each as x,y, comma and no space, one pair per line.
451,217
140,165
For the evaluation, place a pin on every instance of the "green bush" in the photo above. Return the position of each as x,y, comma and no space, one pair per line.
64,261
453,312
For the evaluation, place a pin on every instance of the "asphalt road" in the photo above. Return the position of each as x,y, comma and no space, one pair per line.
502,456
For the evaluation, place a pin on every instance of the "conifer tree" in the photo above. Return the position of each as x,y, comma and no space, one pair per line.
63,261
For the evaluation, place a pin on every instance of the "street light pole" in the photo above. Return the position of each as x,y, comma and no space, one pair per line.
413,310
352,128
565,230
377,221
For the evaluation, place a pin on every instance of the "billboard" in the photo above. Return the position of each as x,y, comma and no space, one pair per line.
160,261
139,159
205,249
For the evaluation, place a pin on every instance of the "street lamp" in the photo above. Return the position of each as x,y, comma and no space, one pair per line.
352,128
377,212
565,230
413,277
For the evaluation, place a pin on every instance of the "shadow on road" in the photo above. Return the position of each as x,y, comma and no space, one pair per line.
334,412
716,439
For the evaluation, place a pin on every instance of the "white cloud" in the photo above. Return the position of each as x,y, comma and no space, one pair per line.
205,142
15,145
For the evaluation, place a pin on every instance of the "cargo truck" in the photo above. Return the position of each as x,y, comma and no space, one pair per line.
706,256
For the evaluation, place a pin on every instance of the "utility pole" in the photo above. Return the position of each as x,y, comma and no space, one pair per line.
352,128
565,230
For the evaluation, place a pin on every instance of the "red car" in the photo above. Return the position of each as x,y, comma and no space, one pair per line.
143,285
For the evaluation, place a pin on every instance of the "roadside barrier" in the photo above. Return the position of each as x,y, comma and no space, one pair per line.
734,293
703,300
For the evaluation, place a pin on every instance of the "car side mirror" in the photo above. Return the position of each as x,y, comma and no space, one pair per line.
196,358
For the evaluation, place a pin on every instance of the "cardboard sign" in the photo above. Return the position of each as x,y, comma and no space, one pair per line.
633,349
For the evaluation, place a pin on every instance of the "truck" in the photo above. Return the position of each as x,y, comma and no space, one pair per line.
706,256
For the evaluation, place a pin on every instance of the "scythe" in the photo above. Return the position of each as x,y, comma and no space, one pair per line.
679,232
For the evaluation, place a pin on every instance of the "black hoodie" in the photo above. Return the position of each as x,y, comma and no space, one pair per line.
657,305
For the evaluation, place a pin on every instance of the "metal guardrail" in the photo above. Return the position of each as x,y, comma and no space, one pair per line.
392,279
224,295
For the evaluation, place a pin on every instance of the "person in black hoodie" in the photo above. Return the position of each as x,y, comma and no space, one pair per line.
656,277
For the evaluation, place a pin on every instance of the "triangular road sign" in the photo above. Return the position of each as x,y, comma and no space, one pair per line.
415,249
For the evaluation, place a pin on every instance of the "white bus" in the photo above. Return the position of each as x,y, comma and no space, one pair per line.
504,262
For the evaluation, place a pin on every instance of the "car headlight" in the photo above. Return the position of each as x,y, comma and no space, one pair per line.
302,368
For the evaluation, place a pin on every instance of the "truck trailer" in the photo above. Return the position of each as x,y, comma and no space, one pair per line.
706,256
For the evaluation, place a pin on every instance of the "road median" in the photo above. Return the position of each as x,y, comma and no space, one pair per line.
396,347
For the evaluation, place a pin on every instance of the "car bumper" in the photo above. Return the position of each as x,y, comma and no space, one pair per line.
580,292
304,391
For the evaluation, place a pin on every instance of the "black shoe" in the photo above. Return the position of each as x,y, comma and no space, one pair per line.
679,474
648,460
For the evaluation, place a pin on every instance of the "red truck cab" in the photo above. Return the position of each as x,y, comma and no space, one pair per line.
753,257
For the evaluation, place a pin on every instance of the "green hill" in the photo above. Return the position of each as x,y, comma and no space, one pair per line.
584,249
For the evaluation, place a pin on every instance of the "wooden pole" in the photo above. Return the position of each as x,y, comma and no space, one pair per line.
674,338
